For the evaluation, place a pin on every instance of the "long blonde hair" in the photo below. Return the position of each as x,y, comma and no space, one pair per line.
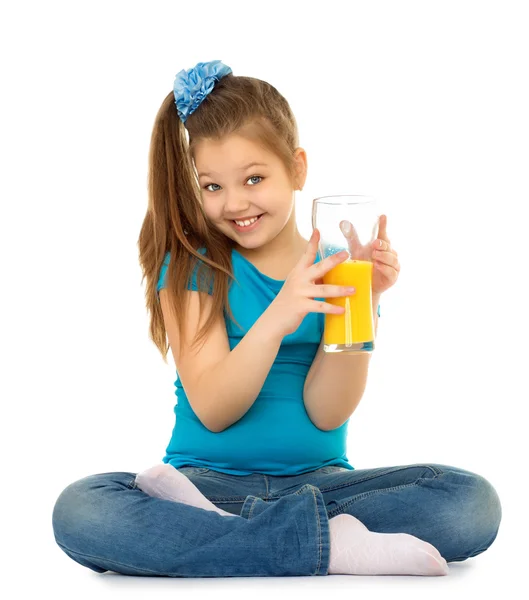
175,221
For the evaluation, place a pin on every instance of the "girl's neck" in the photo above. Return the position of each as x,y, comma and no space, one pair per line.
279,249
277,258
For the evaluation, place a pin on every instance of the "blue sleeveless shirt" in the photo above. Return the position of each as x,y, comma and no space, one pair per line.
276,435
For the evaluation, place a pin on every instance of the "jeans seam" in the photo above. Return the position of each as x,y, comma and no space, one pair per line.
267,486
250,512
341,507
320,544
90,556
331,488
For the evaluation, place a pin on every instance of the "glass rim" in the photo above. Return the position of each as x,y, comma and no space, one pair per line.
366,199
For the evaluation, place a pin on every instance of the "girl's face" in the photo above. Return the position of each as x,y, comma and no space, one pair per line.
232,190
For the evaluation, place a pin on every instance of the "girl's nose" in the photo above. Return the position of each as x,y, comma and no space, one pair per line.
236,204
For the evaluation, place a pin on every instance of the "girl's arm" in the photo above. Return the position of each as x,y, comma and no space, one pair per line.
335,384
233,384
221,385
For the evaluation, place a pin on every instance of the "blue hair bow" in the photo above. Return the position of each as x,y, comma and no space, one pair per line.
192,86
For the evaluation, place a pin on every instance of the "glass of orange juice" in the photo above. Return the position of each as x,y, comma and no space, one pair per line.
354,330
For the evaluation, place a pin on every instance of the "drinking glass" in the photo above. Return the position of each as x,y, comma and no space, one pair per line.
353,331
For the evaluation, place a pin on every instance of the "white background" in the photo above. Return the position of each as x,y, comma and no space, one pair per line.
420,104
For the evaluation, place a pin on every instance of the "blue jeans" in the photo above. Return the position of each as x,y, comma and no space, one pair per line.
106,523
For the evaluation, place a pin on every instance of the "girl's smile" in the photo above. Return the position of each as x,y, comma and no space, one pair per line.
247,228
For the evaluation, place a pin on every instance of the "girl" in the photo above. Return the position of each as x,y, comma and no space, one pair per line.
255,480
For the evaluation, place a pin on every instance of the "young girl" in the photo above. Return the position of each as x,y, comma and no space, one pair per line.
255,480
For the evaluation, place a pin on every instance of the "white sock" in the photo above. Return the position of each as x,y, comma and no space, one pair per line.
166,482
357,551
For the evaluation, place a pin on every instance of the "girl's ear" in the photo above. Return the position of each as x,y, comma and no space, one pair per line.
300,157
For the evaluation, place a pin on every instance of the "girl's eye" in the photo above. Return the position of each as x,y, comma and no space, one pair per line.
252,177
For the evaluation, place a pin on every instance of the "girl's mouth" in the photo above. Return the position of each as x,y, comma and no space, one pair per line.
247,228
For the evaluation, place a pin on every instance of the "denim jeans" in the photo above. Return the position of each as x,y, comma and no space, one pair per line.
106,523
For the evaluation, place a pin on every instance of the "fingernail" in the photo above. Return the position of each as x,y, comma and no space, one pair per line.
350,290
346,227
380,243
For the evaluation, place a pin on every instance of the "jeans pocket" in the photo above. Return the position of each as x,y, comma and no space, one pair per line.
193,470
331,469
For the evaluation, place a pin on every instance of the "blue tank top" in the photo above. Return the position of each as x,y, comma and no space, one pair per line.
276,435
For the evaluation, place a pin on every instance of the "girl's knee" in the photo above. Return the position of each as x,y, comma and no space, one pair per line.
488,501
82,500
475,509
483,502
68,505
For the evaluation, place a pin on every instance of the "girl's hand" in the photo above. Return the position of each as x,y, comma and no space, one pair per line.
386,266
304,283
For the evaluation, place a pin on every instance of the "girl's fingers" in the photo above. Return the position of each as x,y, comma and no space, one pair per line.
388,270
325,307
388,258
312,249
319,269
331,291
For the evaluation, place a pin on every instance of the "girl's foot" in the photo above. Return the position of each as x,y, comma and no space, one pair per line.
357,551
165,481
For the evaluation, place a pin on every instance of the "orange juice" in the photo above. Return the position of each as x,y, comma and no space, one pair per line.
356,324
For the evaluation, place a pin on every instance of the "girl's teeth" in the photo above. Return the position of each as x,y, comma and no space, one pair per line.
246,223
